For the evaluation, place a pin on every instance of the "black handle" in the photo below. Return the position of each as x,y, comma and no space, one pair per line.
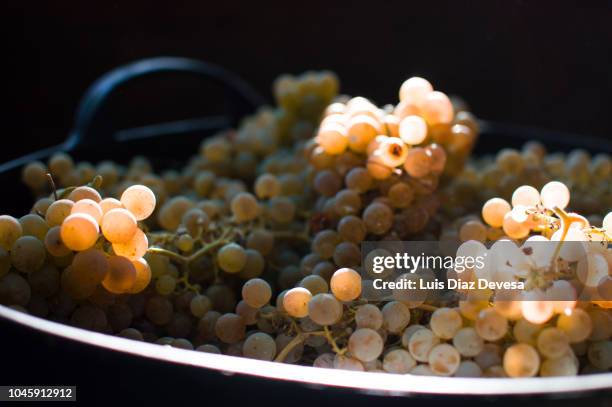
95,98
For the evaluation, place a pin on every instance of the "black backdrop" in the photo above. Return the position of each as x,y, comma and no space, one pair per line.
544,63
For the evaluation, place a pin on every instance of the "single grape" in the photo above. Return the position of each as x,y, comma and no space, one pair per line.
259,346
490,325
90,266
332,137
244,207
34,175
143,276
398,361
281,209
84,192
413,130
365,344
79,231
396,317
521,360
28,254
494,211
414,91
89,207
256,292
140,200
267,186
60,164
14,290
295,302
121,275
552,343
467,342
34,225
108,204
345,284
248,313
378,218
468,368
208,348
555,194
324,309
10,231
444,359
445,322
119,225
232,258
437,108
315,284
165,284
421,343
358,179
230,328
200,305
133,249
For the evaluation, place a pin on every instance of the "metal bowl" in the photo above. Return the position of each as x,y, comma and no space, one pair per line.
67,355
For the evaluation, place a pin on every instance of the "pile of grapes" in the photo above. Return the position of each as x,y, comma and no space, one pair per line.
253,248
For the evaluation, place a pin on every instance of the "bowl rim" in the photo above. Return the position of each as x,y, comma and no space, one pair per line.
367,382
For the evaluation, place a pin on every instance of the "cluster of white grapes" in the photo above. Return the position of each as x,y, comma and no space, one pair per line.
399,138
499,175
97,242
252,248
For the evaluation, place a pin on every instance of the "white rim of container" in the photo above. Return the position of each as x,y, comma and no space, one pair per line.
379,383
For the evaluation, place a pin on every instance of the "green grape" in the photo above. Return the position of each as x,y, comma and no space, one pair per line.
196,221
159,310
165,284
89,317
14,290
34,225
324,243
28,254
327,183
131,333
256,292
261,240
231,258
60,164
244,207
281,209
314,284
34,175
10,231
267,186
230,328
200,305
324,309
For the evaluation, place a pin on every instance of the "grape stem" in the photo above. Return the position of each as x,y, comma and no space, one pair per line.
53,188
332,342
566,221
207,247
290,346
167,253
301,337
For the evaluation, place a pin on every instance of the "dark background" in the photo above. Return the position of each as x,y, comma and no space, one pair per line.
546,64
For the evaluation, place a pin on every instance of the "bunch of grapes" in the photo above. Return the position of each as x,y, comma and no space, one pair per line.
73,249
588,179
252,248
